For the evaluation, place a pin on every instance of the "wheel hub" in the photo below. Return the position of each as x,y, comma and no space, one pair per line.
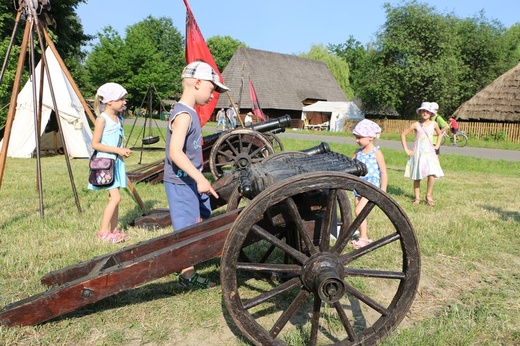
242,161
323,275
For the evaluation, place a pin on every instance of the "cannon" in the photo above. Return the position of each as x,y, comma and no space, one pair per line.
224,151
239,148
281,269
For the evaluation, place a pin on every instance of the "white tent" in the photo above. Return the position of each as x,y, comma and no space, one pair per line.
339,112
74,124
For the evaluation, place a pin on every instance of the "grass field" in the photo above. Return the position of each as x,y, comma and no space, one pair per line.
469,250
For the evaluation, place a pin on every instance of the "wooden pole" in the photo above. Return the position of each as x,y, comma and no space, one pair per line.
14,95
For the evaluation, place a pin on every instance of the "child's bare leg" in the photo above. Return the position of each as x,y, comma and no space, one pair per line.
363,228
113,202
429,186
417,189
115,215
188,272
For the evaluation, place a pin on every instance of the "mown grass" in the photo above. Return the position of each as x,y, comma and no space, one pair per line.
469,247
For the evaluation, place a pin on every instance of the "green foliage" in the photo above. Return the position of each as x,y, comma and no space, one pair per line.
67,35
338,67
222,48
423,55
356,56
151,53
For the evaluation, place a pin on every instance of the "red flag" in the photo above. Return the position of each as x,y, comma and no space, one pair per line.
196,49
254,100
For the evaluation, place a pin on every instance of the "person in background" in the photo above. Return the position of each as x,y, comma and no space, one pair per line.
443,125
221,119
454,128
187,189
107,139
248,120
366,132
423,162
232,115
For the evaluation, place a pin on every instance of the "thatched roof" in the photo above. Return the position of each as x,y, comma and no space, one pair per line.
499,101
281,81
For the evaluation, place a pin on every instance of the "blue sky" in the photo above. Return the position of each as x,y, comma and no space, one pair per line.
282,26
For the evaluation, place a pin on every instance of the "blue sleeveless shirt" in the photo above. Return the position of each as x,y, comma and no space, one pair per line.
192,147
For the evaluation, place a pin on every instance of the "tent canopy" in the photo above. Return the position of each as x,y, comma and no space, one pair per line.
337,113
76,131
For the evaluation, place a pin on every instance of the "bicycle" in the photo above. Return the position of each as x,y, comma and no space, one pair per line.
462,139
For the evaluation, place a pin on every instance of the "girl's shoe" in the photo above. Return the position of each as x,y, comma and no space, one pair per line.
359,243
124,235
416,201
111,238
430,201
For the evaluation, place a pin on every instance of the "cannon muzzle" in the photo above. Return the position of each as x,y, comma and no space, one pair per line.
321,148
271,125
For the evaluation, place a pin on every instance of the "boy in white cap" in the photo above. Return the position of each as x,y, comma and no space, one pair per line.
187,189
366,131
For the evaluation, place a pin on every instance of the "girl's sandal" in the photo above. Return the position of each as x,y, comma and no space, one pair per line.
430,201
111,238
416,201
123,235
360,242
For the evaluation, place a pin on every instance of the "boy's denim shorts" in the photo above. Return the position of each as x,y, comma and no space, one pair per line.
186,205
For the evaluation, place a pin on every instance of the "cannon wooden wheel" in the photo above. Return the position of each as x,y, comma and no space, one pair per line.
275,141
237,150
320,292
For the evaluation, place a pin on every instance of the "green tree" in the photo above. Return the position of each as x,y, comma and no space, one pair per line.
222,48
421,55
65,30
151,53
337,67
356,56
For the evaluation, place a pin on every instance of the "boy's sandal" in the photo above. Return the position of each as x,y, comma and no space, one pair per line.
196,282
360,242
430,201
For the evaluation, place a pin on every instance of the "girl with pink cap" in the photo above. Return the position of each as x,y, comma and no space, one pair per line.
366,131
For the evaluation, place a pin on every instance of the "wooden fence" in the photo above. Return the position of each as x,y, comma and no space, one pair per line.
476,130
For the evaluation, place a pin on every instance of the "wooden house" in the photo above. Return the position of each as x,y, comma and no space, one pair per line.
283,83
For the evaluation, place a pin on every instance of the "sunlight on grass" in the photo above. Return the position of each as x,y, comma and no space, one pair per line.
469,251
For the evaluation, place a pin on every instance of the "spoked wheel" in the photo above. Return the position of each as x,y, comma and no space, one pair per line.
238,150
462,140
275,141
285,282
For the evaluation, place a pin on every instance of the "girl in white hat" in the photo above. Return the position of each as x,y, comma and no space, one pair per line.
366,131
107,138
423,162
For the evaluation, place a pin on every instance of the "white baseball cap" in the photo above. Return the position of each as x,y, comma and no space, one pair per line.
202,70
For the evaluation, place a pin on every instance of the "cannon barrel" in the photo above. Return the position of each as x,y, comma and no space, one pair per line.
258,177
275,125
228,183
321,148
272,125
